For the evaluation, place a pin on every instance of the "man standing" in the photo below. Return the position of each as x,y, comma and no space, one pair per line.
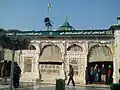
87,73
110,79
71,74
103,74
16,75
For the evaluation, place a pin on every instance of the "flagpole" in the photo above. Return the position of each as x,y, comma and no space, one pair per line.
48,7
47,11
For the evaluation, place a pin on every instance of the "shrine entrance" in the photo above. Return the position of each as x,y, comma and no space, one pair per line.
100,55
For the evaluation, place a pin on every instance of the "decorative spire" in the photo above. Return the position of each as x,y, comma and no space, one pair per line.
66,26
66,20
118,20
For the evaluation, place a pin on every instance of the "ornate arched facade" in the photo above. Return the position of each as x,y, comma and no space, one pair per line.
76,47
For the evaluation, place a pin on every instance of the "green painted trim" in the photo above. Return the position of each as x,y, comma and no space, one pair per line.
115,27
61,33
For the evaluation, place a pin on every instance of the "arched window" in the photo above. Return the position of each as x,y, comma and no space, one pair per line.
32,47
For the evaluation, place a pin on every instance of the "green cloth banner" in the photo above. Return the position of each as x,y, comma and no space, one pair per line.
60,33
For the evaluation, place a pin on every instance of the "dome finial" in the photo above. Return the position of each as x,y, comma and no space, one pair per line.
66,19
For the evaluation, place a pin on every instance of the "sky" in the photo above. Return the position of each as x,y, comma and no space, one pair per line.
82,14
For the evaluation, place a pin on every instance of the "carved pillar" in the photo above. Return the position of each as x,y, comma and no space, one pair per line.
66,58
116,60
85,56
22,63
115,69
36,63
85,63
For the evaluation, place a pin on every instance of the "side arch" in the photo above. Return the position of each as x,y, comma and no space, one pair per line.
34,46
74,47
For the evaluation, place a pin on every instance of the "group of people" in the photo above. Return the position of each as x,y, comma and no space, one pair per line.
94,74
98,74
5,73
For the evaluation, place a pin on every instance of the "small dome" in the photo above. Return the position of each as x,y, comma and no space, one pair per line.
66,27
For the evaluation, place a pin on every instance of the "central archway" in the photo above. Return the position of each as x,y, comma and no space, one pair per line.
99,55
75,57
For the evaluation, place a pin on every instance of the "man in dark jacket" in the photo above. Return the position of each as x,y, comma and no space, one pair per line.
71,74
103,74
87,75
16,75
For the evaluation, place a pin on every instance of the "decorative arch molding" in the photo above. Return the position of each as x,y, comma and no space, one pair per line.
35,45
109,46
103,51
60,45
50,52
49,45
70,46
32,47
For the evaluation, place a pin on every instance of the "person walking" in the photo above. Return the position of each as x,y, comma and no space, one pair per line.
16,75
71,74
4,72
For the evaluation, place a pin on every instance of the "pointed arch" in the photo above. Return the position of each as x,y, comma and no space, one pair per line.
32,47
74,47
50,53
99,53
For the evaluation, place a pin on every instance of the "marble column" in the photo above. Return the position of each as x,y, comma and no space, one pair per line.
116,66
85,67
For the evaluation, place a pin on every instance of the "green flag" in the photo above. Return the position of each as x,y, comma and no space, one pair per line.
49,5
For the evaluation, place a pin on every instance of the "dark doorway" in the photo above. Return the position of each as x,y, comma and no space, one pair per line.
106,65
